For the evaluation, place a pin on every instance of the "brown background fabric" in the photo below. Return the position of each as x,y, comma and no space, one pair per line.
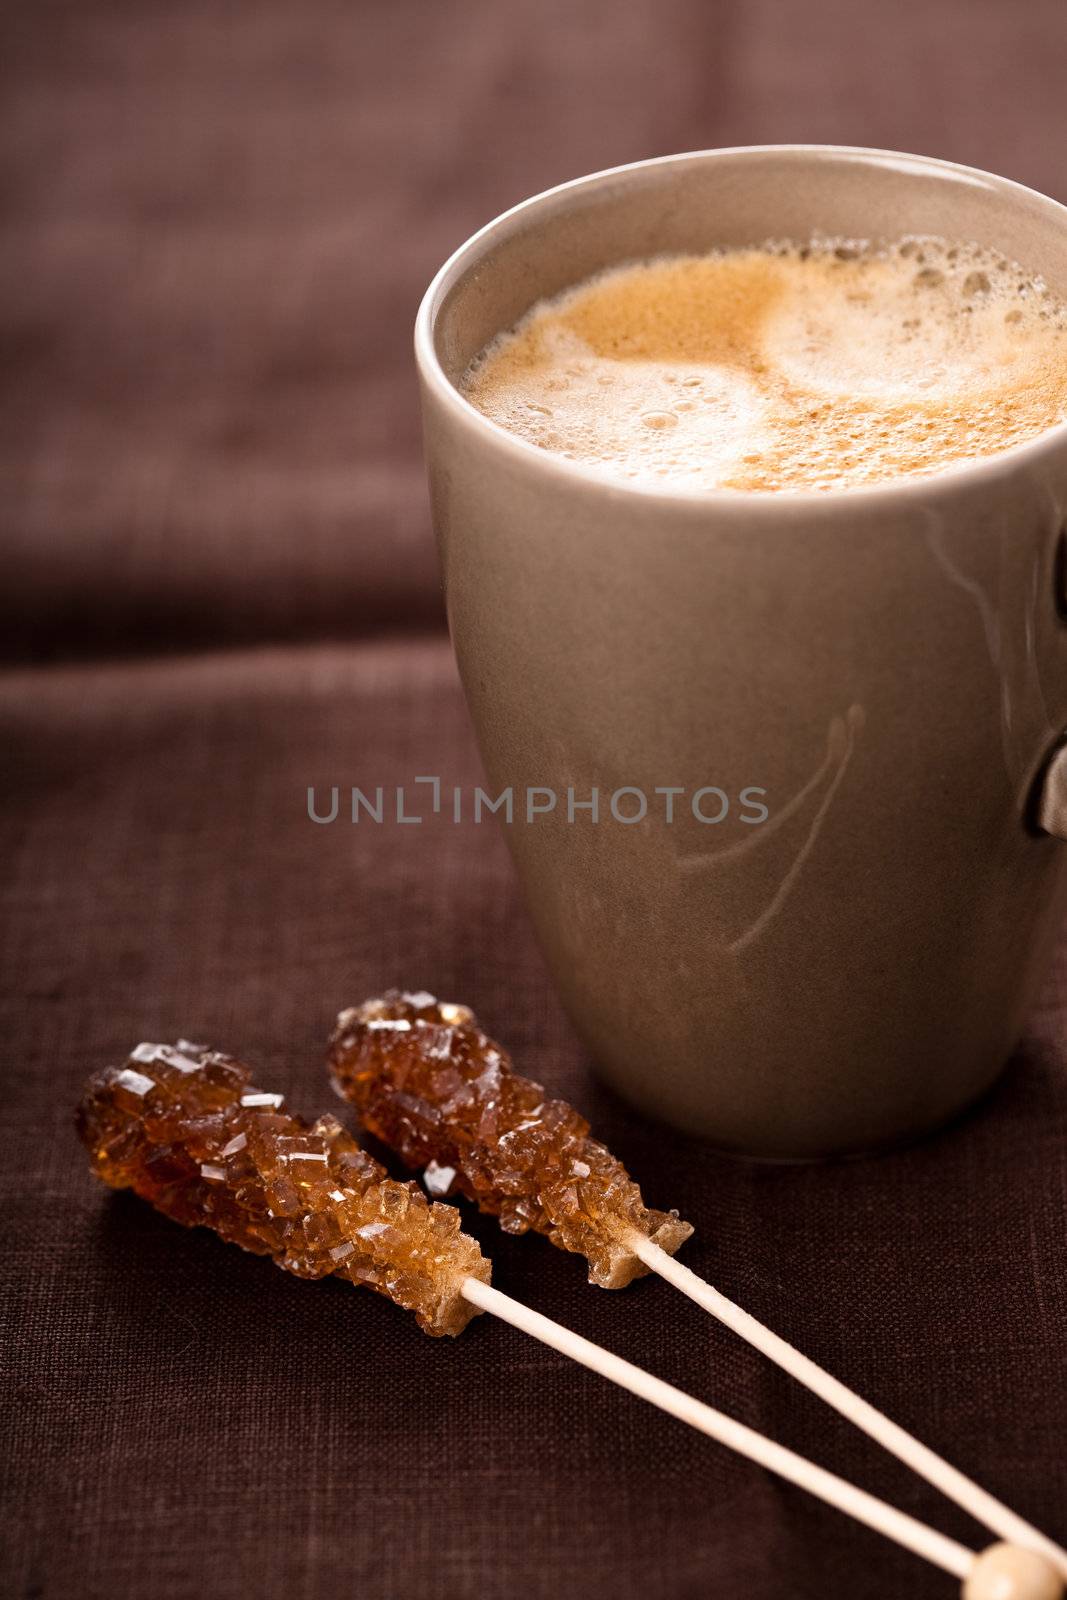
218,589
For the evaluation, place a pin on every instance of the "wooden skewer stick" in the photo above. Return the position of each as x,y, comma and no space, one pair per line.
907,1531
981,1505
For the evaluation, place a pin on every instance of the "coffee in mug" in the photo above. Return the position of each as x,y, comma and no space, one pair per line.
822,366
807,536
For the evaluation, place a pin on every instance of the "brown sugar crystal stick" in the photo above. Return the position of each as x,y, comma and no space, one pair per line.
430,1084
184,1127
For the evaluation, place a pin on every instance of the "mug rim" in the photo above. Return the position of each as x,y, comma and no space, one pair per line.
775,502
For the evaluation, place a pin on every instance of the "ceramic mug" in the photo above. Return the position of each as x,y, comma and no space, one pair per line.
882,671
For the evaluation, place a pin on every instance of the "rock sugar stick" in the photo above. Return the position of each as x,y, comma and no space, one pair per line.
433,1087
185,1129
430,1085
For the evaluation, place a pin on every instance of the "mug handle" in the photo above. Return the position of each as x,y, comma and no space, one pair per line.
1052,795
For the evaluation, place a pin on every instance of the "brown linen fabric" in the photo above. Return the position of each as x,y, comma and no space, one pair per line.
218,590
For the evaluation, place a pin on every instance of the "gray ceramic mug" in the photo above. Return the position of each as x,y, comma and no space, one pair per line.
888,664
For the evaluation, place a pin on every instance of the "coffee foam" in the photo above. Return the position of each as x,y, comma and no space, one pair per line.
817,367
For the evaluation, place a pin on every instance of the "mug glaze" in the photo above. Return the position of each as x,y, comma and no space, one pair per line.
888,663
